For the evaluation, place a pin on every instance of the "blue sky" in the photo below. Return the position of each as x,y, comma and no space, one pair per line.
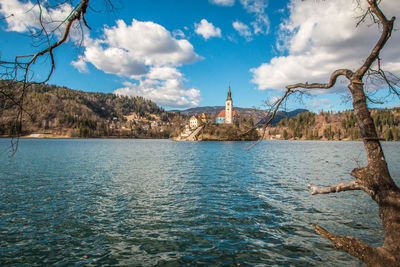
185,53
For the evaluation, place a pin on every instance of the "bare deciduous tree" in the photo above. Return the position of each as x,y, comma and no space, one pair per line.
374,179
18,74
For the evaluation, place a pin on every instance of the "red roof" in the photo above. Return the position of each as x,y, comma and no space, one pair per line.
222,113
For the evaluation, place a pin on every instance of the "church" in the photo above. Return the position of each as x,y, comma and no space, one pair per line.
227,115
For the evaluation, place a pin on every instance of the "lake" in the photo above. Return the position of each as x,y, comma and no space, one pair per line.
159,202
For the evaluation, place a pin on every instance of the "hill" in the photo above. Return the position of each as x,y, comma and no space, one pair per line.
335,126
58,111
280,115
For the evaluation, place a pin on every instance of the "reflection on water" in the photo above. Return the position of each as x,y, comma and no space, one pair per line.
156,202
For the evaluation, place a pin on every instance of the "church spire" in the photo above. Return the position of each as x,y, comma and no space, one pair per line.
229,94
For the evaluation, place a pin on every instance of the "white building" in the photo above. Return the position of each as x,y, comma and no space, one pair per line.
193,122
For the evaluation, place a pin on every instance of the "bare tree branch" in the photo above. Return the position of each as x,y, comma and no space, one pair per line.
77,14
335,188
21,68
365,253
375,178
275,108
9,16
378,75
330,84
291,89
387,27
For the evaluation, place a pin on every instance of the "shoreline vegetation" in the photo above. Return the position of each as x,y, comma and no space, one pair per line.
340,126
53,111
58,112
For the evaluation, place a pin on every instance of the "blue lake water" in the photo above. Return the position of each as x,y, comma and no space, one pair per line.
159,202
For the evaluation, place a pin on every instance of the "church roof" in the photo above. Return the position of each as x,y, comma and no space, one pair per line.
222,113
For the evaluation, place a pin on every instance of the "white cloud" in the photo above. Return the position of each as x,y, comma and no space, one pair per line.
142,51
169,92
164,73
80,64
148,53
243,29
178,33
149,43
254,6
223,2
257,8
207,29
114,60
321,37
24,17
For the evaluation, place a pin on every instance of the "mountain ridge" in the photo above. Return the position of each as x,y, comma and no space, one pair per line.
60,111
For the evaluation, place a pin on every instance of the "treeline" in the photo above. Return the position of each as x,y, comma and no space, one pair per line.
335,126
105,105
62,111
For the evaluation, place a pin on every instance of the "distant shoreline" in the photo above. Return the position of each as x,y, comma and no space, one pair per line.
48,136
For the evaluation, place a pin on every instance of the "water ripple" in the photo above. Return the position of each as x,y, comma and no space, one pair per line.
157,202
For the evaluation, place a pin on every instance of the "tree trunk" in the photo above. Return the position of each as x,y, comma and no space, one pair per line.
375,177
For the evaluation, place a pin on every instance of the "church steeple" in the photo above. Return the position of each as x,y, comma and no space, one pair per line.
229,94
229,108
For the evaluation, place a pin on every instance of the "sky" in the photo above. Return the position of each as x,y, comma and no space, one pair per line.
185,53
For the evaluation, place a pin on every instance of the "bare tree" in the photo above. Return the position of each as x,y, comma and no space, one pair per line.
18,75
374,179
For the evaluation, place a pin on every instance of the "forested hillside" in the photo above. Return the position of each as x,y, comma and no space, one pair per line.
64,112
335,126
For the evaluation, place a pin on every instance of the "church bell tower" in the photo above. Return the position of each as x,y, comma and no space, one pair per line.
229,108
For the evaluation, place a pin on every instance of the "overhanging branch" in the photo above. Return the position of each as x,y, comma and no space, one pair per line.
290,89
387,27
370,255
275,108
25,62
331,83
353,185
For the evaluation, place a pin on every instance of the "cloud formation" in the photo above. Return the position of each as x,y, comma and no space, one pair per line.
207,29
260,24
242,29
257,8
80,64
24,16
148,54
320,37
169,92
223,2
144,52
178,33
